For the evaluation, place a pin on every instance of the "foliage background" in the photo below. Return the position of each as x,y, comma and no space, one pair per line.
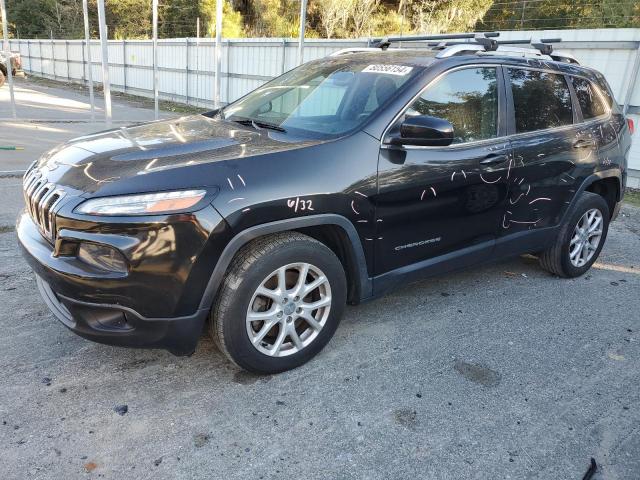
325,18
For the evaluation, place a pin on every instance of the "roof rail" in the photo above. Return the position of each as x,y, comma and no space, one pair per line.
384,42
465,43
480,42
543,46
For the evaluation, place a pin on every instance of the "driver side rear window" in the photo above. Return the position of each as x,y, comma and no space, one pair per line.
541,100
468,99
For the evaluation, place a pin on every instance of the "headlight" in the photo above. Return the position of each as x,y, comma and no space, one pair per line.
144,204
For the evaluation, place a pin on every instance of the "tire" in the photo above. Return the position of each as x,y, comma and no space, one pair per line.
258,264
557,259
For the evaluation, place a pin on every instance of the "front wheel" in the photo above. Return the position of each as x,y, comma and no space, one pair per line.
279,304
580,239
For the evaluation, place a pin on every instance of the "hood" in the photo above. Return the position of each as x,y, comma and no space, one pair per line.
147,157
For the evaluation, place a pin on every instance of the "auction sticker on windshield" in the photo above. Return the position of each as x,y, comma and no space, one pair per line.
389,69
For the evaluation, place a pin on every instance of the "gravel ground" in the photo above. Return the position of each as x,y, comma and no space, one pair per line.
498,372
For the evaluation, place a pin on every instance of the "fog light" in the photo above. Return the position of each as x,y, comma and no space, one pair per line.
102,257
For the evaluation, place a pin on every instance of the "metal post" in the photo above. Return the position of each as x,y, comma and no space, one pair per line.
29,54
66,56
198,27
53,55
635,71
105,62
5,43
84,63
284,55
218,83
198,66
155,58
87,41
124,65
227,94
303,22
186,69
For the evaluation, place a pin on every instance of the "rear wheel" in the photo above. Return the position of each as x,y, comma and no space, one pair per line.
280,303
580,239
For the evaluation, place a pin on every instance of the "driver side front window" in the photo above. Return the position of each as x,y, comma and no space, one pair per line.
468,99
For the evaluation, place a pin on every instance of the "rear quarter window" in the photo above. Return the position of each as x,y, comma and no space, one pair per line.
541,100
590,100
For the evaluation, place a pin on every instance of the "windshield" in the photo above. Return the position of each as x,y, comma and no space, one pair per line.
321,99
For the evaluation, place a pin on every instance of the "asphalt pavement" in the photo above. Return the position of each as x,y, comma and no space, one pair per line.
498,372
49,114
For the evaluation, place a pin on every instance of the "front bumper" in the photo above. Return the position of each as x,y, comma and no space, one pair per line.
114,325
155,304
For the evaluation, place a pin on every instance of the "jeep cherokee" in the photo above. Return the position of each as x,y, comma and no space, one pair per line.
328,185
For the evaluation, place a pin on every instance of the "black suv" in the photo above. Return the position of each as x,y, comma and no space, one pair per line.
328,185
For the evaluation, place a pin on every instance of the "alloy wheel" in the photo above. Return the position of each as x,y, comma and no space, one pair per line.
586,237
289,309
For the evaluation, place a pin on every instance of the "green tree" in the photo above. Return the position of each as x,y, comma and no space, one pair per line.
442,16
128,18
41,18
273,18
232,21
551,14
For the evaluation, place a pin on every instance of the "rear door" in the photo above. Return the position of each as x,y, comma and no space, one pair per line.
547,145
434,201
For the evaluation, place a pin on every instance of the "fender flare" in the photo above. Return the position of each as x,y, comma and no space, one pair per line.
245,236
594,177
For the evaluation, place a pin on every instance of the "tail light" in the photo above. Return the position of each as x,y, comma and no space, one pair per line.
632,127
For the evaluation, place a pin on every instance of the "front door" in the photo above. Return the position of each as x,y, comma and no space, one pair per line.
434,201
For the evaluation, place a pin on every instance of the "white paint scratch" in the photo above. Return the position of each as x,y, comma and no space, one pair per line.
539,199
487,181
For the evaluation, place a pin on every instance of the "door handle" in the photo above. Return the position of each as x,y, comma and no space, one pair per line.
493,160
583,143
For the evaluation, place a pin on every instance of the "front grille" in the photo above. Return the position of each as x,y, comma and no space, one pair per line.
42,200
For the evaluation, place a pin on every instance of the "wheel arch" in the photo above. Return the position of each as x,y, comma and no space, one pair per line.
608,188
606,182
333,230
3,69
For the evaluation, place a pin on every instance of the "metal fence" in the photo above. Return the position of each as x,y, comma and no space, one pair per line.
186,67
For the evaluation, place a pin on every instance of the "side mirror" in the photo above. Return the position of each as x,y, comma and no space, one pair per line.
424,130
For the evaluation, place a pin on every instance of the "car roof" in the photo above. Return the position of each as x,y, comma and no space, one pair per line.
407,56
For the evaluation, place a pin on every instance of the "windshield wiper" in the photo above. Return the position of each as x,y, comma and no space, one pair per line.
259,125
